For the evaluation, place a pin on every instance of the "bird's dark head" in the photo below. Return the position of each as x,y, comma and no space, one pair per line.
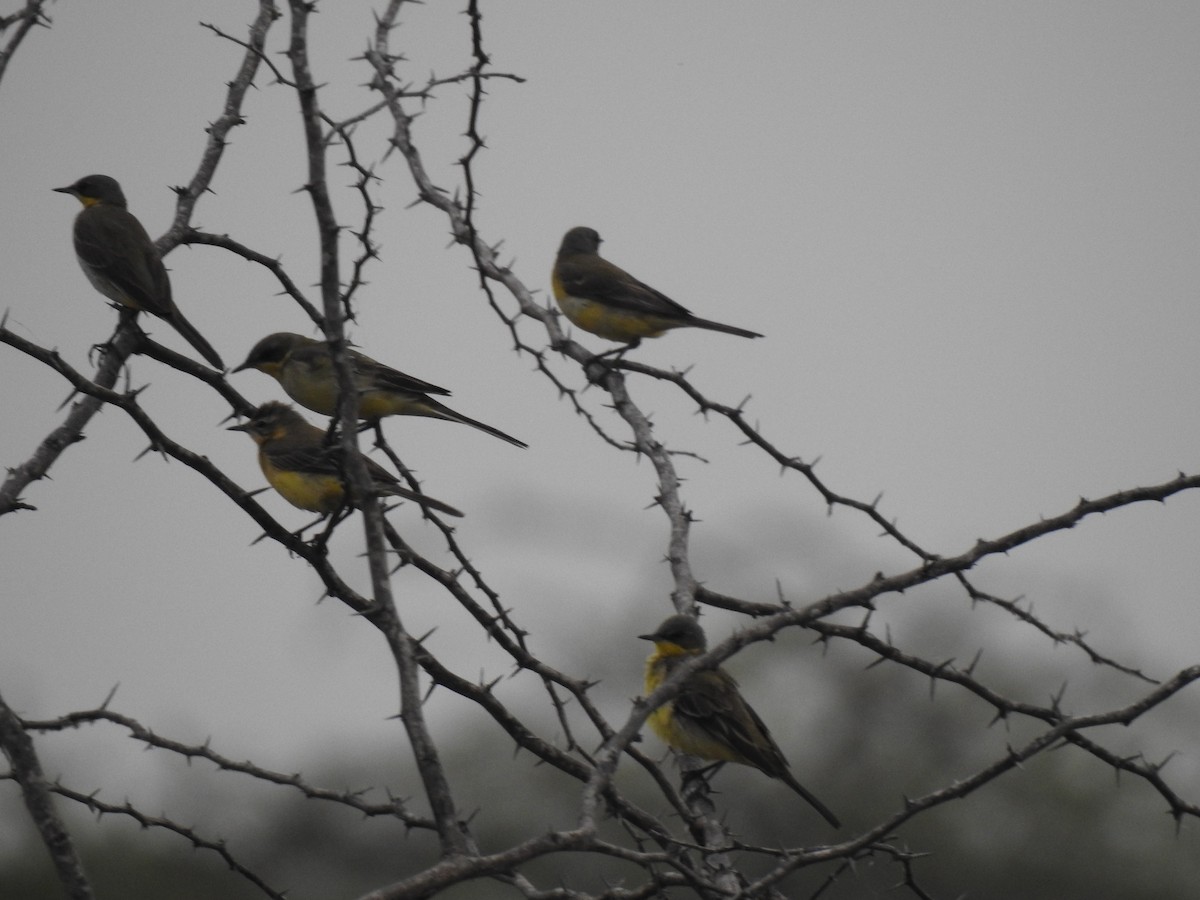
93,189
580,240
678,634
268,355
270,421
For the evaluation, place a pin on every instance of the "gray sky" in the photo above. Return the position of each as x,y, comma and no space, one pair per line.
967,231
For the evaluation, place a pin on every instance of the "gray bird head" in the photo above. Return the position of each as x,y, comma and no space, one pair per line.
682,631
580,240
93,189
269,353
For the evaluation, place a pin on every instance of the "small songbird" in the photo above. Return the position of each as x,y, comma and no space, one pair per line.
708,717
307,471
607,301
120,260
304,368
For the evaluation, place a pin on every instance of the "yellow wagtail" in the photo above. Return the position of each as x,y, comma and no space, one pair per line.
304,368
121,261
605,300
708,717
307,471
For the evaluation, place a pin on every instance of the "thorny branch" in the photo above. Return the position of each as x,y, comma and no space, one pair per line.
94,804
31,14
455,838
26,771
693,848
395,807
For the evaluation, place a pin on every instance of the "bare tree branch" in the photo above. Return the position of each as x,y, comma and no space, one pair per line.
27,772
680,840
31,14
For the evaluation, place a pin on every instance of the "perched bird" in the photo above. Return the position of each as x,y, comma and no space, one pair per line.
708,718
607,301
121,261
306,470
304,368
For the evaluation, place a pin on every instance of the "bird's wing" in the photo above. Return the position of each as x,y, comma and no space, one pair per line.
321,459
711,700
310,459
606,283
113,244
375,376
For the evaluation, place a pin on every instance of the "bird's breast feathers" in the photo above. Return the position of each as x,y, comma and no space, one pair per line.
306,490
611,322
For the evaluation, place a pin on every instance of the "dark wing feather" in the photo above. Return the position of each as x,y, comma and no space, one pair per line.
115,247
376,376
308,459
319,459
598,279
711,701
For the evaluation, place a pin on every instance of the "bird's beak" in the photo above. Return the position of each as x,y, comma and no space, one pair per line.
647,637
245,365
245,426
64,190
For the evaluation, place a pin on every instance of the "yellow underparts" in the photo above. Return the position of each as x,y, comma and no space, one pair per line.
309,389
613,324
377,404
318,391
681,734
306,490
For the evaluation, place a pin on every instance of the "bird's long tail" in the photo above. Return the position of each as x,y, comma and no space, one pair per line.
193,337
436,410
396,491
717,326
816,804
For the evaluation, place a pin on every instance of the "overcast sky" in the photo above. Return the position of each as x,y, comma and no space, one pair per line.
967,231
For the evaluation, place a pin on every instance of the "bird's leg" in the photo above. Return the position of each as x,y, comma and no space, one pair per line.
335,518
696,781
126,319
331,433
377,427
602,363
617,352
298,534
